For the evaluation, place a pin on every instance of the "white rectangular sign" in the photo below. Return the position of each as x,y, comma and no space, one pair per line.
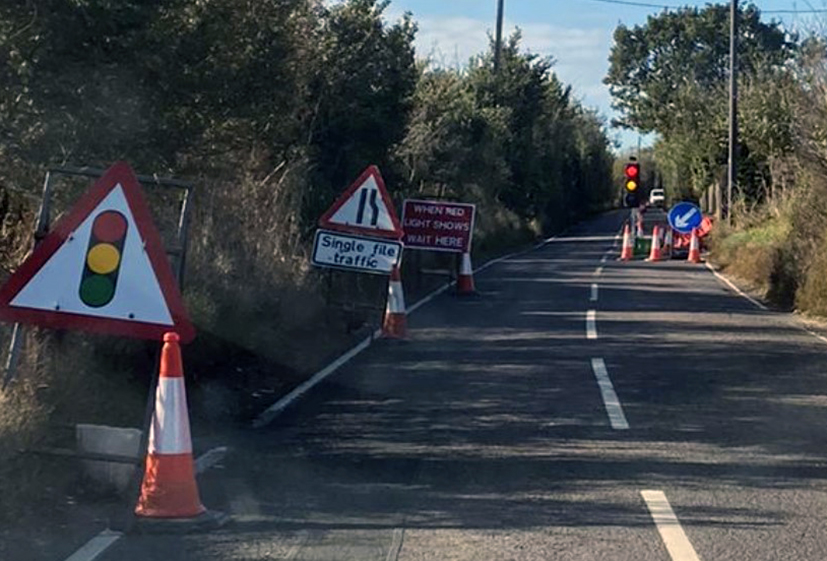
355,253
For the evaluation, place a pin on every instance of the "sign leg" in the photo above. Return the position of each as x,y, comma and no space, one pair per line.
14,354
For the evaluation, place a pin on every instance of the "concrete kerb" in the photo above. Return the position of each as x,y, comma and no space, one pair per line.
270,414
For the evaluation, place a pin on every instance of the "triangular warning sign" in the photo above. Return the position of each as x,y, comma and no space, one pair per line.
102,268
365,208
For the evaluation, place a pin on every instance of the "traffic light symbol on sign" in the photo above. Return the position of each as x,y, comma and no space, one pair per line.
104,256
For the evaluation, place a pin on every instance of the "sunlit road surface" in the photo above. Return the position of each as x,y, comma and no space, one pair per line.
580,409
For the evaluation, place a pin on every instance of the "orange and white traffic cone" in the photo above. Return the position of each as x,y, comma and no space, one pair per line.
169,489
654,253
694,248
395,324
627,253
668,242
465,279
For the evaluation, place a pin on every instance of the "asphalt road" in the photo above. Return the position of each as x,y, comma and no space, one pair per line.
493,434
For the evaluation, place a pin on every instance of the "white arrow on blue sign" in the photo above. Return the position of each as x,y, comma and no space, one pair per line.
685,217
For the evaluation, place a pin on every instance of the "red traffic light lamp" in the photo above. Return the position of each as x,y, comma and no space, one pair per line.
632,172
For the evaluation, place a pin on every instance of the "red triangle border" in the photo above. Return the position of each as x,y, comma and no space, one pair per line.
122,173
371,171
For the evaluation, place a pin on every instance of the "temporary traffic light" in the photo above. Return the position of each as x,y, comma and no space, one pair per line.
632,172
103,259
632,183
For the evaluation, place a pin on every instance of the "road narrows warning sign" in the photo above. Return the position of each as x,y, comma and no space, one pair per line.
364,208
102,268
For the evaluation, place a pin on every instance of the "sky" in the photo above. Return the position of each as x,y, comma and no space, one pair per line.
576,33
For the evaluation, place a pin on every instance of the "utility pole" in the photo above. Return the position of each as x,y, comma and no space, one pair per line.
732,171
498,45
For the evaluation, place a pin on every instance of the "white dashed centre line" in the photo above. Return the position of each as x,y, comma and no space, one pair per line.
610,399
594,293
671,532
591,324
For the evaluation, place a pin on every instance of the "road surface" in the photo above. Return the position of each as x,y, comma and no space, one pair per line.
581,409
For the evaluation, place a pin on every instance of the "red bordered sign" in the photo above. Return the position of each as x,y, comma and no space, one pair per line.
102,268
364,208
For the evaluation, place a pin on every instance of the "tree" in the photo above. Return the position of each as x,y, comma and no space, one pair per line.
652,64
361,93
670,76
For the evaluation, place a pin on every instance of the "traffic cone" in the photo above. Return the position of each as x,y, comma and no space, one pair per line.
667,244
395,325
694,248
169,489
654,253
465,279
627,253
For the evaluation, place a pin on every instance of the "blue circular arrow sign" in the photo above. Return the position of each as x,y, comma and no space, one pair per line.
685,217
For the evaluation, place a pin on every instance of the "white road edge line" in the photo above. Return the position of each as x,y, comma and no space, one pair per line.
671,532
210,458
270,414
591,324
758,304
93,549
593,297
267,416
610,400
737,290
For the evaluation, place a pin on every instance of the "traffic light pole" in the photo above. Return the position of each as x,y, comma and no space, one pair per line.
498,44
732,171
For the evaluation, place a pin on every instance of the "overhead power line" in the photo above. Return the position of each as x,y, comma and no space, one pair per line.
675,7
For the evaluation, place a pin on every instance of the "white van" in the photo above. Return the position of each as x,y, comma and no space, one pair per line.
657,198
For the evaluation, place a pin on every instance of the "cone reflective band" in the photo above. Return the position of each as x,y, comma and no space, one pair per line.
103,259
